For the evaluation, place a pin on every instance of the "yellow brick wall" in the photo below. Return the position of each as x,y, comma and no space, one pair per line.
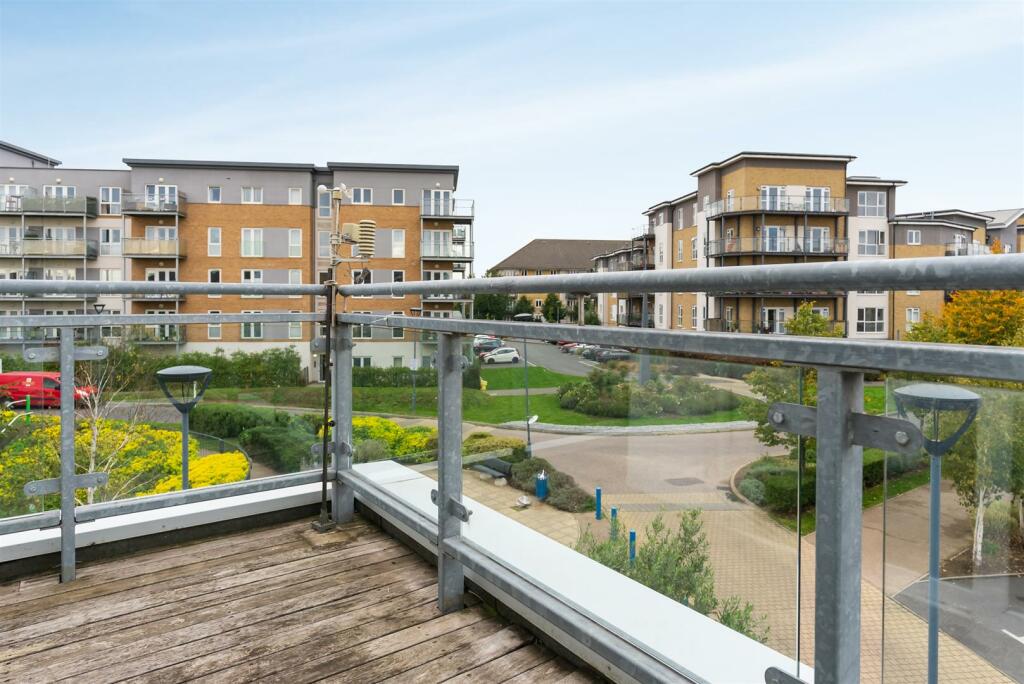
746,178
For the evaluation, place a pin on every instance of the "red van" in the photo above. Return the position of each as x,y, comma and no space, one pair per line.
43,387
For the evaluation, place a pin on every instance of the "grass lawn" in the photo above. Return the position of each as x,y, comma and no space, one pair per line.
874,399
512,378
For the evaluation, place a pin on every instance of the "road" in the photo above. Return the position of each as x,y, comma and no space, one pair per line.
548,356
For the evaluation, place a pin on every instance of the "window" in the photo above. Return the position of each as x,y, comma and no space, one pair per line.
661,253
110,275
398,333
361,278
362,330
913,317
817,199
294,195
871,242
213,242
59,191
252,330
774,239
252,277
294,242
252,195
661,314
679,250
913,293
730,198
213,329
817,239
398,243
693,317
213,276
398,277
822,311
252,242
295,329
538,303
323,244
397,361
362,195
870,203
294,278
110,241
213,194
360,361
913,237
693,248
772,197
398,196
871,292
161,275
871,320
161,233
323,204
161,196
110,200
679,315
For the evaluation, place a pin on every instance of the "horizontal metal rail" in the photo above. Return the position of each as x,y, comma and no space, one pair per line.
80,287
87,320
108,509
996,272
996,363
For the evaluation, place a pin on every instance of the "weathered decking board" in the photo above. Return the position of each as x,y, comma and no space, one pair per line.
262,605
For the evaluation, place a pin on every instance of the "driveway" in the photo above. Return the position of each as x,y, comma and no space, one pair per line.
548,356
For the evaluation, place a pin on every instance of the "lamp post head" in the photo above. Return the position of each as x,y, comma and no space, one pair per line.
184,385
933,398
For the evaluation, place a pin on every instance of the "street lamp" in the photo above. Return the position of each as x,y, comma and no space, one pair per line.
529,443
99,308
919,401
184,386
523,318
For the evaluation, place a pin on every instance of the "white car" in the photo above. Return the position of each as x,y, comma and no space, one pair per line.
502,355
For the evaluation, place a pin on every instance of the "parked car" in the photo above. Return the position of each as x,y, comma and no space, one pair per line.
486,345
604,355
42,387
567,347
502,355
591,352
580,348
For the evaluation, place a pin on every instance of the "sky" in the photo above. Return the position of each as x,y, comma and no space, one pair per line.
568,119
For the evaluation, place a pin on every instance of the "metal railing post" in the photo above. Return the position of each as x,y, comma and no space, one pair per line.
342,496
67,454
838,537
451,580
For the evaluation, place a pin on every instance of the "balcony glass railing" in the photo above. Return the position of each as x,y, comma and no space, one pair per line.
776,245
786,204
447,208
966,249
38,204
445,250
142,247
768,326
43,247
136,203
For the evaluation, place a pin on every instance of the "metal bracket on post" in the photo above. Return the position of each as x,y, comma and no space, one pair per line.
454,507
318,345
878,432
774,675
51,354
52,485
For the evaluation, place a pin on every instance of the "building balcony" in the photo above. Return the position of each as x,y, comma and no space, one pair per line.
136,204
438,298
962,249
155,297
783,204
758,327
141,248
453,252
791,246
154,334
34,204
40,248
447,208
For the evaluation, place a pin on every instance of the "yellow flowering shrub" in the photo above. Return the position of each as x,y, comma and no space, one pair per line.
400,441
212,469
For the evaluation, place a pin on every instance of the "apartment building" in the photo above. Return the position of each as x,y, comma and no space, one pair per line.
631,309
220,221
546,256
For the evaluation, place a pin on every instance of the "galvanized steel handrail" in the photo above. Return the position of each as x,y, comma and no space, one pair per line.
144,287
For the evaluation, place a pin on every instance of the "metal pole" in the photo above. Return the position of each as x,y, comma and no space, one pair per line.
838,497
935,483
415,365
325,523
184,450
799,512
451,579
67,454
526,385
342,495
645,359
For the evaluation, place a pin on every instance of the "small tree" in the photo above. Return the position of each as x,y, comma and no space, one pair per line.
809,323
553,309
522,306
494,307
990,317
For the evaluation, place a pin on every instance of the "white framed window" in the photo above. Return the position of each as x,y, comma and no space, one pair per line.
360,361
661,253
679,315
362,330
693,248
870,203
822,311
294,278
397,361
110,241
362,195
871,320
110,275
913,237
213,242
252,194
730,200
730,319
252,242
398,243
160,275
913,293
252,276
294,195
213,331
817,199
538,303
323,244
398,196
110,200
773,239
213,194
59,191
661,314
693,317
397,333
818,239
294,242
871,242
913,317
323,204
213,276
772,197
679,249
252,330
161,196
295,329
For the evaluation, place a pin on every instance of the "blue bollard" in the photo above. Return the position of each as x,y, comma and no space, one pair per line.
615,523
541,488
632,546
597,506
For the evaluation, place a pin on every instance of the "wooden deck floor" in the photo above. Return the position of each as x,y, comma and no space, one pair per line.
263,605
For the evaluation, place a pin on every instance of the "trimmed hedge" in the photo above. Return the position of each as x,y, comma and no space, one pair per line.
285,449
373,376
481,442
563,492
231,420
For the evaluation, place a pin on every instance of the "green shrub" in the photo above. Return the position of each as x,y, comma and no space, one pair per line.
284,448
780,491
376,376
753,490
1000,523
609,393
481,443
230,420
371,450
563,492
